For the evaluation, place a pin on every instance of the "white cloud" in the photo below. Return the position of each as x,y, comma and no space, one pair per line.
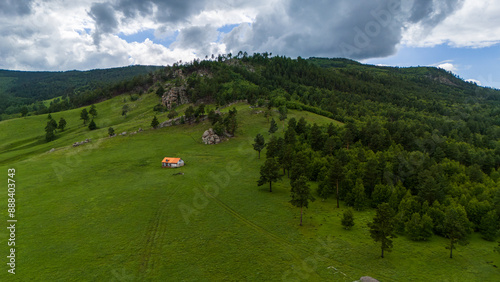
474,81
475,25
447,66
61,35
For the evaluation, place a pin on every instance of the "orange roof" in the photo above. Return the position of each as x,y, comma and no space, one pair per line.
171,160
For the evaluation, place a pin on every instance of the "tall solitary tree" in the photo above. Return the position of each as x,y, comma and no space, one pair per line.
259,144
457,227
49,129
336,175
274,127
154,122
382,227
301,194
93,111
269,172
84,115
62,124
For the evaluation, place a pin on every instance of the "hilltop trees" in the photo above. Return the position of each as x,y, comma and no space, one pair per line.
382,227
301,194
259,144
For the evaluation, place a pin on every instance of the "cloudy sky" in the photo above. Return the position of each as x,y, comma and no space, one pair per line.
462,36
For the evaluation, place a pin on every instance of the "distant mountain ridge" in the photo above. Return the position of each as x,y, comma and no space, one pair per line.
19,88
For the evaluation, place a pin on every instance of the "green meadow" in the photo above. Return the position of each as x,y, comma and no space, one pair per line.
108,211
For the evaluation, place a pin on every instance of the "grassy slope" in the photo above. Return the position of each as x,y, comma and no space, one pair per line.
108,211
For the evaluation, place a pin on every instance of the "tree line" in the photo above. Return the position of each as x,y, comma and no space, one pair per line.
416,194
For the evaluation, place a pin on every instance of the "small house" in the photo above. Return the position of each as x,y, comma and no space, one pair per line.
172,162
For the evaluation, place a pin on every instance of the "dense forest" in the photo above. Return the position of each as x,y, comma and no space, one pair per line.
20,89
420,139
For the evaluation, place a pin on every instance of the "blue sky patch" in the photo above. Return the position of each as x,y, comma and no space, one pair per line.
148,33
470,63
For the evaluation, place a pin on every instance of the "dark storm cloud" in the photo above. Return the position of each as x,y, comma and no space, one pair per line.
15,7
356,29
165,12
432,12
104,16
197,38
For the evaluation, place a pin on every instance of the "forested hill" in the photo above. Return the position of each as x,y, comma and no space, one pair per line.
18,88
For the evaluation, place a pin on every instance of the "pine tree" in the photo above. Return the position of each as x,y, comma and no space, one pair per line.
301,194
62,124
301,126
259,144
360,199
93,111
154,122
84,115
160,91
348,219
419,228
457,226
274,127
92,125
269,172
290,136
382,227
283,112
336,175
49,129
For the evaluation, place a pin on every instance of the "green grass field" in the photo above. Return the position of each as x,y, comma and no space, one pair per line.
107,211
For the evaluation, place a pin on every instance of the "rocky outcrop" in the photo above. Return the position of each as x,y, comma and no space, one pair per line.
175,95
210,138
76,144
368,279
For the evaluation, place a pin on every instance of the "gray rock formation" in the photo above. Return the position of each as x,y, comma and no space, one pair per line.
210,138
177,95
368,279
